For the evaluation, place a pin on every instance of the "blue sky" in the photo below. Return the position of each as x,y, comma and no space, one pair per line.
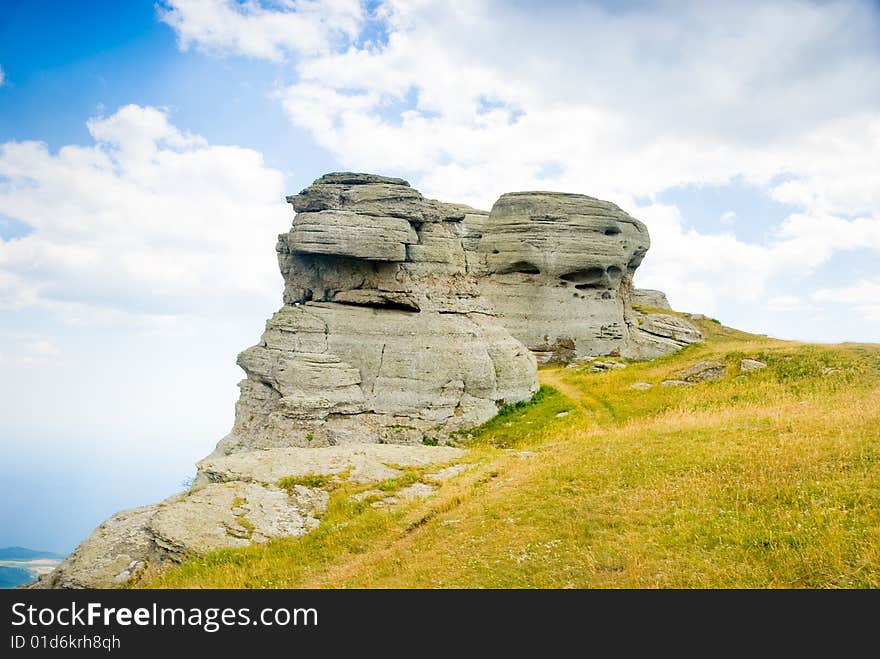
146,148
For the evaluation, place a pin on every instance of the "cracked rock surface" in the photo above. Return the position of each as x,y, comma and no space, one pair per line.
558,269
384,335
237,501
654,335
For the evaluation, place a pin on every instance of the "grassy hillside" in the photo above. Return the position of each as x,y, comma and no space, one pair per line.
763,479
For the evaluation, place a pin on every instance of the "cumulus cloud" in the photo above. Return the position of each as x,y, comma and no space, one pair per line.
864,295
471,99
630,102
623,101
248,28
147,222
703,271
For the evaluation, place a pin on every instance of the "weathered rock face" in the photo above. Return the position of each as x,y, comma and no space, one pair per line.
558,269
647,297
653,335
110,556
384,335
237,500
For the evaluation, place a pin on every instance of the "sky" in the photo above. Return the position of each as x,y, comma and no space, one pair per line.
146,149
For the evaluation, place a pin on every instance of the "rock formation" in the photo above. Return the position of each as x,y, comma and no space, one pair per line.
383,336
646,297
404,320
653,335
558,269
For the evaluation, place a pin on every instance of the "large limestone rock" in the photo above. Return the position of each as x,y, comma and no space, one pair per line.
384,340
647,297
653,335
558,269
384,335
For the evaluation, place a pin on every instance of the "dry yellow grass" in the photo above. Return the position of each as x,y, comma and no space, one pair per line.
762,479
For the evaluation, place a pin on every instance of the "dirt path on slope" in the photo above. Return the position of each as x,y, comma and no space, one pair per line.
592,406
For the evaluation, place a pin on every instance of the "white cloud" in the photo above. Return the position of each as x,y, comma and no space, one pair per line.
27,349
247,28
472,99
146,223
700,272
630,102
727,218
862,292
2,76
863,295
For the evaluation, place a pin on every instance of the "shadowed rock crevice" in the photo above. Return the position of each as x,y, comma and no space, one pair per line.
521,266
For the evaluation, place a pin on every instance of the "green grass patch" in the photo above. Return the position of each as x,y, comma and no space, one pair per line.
764,479
323,481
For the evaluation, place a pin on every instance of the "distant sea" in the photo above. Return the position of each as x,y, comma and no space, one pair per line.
20,565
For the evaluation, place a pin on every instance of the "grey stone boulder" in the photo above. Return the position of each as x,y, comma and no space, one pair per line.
114,553
327,374
384,335
235,514
370,194
599,366
578,239
647,297
655,335
558,269
707,369
746,365
238,500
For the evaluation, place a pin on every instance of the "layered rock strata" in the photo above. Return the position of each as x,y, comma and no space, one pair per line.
558,269
647,297
384,335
